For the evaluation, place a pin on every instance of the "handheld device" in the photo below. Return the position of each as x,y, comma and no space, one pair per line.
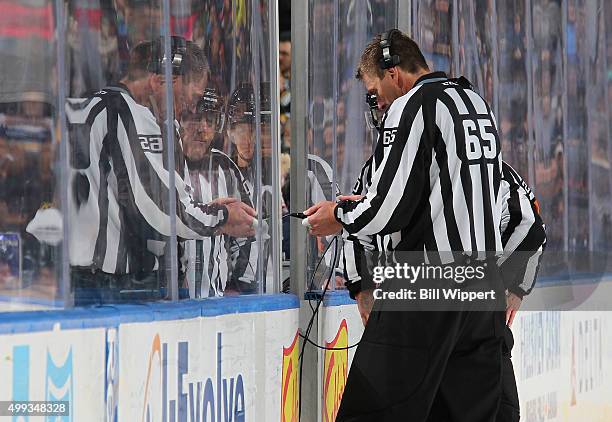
299,215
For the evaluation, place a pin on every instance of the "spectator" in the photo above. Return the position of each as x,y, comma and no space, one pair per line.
284,62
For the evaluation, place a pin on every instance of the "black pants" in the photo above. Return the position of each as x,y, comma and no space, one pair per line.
509,408
426,366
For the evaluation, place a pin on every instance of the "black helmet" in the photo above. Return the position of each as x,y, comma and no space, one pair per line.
211,107
210,101
241,107
178,51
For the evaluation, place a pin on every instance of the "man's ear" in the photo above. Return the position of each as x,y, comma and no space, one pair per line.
400,78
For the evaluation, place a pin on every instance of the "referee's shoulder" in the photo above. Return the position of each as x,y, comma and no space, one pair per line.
222,157
225,161
431,92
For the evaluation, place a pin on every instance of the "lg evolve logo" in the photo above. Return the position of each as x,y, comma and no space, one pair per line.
58,379
210,400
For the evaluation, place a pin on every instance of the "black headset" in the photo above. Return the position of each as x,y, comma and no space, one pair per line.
388,60
178,51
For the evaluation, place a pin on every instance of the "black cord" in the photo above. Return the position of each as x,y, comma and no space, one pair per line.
312,319
329,348
315,313
314,273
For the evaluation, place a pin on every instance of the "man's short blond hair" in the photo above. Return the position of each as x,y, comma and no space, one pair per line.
411,58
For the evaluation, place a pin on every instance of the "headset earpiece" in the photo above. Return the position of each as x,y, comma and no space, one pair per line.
388,60
178,50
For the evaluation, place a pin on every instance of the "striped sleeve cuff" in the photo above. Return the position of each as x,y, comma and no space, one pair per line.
339,212
220,210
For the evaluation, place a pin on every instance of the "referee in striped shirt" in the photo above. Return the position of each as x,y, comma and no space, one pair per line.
218,263
435,188
523,238
119,197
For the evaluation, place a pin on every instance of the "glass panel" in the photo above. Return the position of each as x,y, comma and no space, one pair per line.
228,150
578,123
477,31
602,224
355,141
598,130
339,31
546,57
434,33
30,200
321,137
512,79
118,113
220,151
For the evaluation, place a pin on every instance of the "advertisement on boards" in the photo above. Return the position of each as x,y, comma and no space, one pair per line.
342,327
561,363
210,369
55,366
335,371
290,382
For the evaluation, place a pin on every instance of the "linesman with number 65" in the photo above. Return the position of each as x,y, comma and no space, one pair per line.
435,188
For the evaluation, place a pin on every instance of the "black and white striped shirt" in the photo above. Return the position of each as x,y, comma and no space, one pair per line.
436,173
219,262
264,197
523,233
521,230
118,185
433,182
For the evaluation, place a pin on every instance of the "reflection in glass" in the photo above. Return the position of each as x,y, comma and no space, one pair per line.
476,32
513,88
597,131
434,33
242,133
30,215
576,140
550,150
220,264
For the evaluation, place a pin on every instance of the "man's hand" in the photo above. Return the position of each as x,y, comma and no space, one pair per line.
365,301
224,201
240,218
513,303
322,220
